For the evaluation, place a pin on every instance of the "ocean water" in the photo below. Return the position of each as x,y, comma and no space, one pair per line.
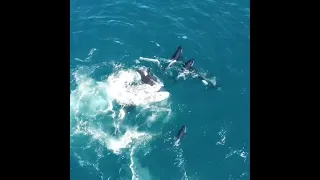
109,40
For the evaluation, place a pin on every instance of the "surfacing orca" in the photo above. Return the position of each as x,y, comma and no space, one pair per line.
146,76
180,135
186,68
176,56
188,65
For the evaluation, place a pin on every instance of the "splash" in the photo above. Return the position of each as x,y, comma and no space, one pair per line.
126,88
137,171
183,75
240,152
98,114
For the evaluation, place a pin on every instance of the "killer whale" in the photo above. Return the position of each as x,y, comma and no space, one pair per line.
180,135
188,65
176,56
146,76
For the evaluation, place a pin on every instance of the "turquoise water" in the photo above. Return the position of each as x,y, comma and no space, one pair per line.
109,39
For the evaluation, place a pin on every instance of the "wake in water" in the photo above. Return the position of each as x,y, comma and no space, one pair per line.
180,163
98,116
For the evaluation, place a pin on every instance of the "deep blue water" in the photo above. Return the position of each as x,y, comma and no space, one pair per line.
216,34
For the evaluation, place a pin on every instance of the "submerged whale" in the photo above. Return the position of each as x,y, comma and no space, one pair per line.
188,67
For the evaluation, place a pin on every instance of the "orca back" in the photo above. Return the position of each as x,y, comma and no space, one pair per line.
176,56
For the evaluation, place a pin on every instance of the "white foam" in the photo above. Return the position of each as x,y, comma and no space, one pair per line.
155,43
121,114
180,162
126,88
171,63
137,171
239,152
96,111
117,144
183,37
88,58
211,80
204,82
150,60
157,60
222,135
183,74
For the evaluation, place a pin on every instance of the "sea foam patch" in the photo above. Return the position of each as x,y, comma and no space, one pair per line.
98,114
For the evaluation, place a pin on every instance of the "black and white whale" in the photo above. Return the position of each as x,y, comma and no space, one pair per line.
188,68
180,135
146,76
188,65
176,56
